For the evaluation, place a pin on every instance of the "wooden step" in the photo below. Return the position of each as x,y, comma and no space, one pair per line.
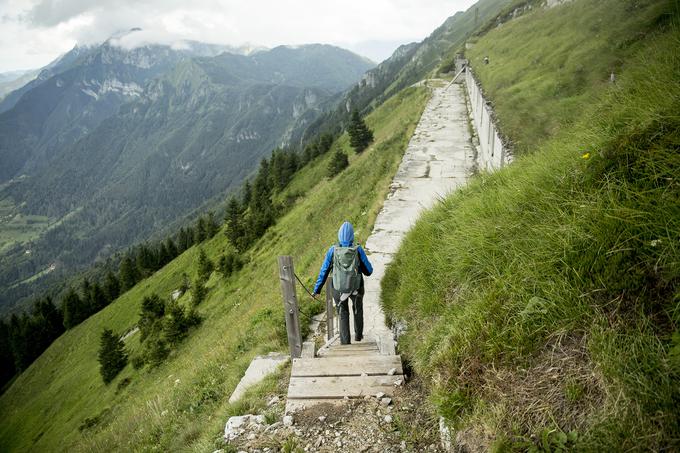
346,366
337,387
353,346
367,353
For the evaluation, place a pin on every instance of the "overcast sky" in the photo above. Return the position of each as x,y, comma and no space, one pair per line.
34,32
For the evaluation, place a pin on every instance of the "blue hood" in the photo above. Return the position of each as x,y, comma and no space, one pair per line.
346,234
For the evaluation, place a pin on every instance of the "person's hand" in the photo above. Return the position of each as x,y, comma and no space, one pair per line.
314,295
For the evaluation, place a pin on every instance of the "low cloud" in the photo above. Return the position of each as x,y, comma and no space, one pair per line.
372,28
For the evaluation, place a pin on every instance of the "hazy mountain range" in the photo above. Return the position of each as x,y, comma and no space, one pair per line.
109,144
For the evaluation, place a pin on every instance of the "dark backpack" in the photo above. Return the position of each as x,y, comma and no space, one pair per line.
346,277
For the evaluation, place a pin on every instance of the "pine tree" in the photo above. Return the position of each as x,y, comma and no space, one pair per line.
175,323
233,220
7,366
155,351
338,163
128,273
112,356
205,266
247,194
153,309
360,136
86,303
325,143
72,309
98,299
171,248
162,255
198,292
111,287
200,232
211,225
146,260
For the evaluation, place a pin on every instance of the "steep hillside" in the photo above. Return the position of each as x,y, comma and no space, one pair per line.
191,134
181,405
541,302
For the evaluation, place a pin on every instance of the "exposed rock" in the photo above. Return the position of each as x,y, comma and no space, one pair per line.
385,401
288,420
392,371
444,434
236,425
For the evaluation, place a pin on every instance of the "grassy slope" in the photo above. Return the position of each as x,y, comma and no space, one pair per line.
182,404
544,299
588,41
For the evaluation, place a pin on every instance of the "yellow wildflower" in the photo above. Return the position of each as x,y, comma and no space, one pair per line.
585,156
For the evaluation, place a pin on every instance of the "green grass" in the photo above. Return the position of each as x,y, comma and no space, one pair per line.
551,61
542,301
181,405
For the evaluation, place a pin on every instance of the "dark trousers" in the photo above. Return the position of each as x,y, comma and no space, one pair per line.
357,311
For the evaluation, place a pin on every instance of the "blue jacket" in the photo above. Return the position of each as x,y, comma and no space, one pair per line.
345,239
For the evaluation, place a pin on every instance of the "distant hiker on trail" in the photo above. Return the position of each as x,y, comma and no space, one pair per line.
348,262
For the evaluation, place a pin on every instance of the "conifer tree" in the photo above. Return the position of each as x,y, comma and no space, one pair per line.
175,323
7,367
128,273
111,286
146,260
233,220
360,136
171,248
200,232
338,163
112,356
162,255
205,266
72,309
247,194
198,292
98,299
153,309
211,225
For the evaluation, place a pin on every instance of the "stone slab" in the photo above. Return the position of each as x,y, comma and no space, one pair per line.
259,368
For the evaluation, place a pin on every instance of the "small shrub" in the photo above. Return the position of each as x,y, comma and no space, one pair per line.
137,362
156,351
122,384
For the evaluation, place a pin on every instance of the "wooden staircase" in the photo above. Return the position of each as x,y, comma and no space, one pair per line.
342,371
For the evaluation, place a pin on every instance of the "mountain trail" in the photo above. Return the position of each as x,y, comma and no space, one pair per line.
359,385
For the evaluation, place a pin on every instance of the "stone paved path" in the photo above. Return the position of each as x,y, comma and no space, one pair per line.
439,159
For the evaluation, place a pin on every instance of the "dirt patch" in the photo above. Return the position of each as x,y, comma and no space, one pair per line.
407,423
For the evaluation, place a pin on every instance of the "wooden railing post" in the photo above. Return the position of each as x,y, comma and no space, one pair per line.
330,311
290,305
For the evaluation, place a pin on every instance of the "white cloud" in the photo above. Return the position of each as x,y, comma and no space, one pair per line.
33,32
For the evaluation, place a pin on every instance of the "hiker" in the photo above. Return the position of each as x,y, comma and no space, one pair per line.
349,264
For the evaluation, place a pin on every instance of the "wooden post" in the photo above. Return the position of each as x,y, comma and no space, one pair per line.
330,311
290,305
